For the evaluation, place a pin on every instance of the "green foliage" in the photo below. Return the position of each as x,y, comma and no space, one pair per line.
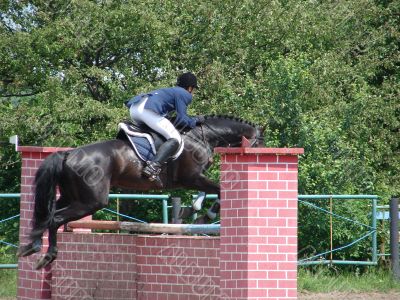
321,75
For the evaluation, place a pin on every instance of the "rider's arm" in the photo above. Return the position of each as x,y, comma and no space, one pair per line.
182,119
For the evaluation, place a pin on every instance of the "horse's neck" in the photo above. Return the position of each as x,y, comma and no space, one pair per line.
221,133
222,137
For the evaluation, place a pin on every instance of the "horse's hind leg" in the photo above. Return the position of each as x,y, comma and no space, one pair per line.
74,211
211,214
36,235
33,247
61,204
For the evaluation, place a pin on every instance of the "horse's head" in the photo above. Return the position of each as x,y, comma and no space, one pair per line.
225,131
258,140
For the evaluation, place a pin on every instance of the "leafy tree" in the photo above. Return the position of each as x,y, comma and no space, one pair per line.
321,75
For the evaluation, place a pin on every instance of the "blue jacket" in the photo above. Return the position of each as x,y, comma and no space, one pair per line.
166,100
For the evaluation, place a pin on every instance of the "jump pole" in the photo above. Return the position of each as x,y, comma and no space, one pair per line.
147,227
258,238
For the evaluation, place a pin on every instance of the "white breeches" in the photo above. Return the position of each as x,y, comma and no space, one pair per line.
156,122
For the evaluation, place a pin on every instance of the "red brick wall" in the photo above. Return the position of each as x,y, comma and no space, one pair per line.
181,267
258,225
95,266
116,267
31,284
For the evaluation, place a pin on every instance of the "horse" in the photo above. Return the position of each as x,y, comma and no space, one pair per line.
85,175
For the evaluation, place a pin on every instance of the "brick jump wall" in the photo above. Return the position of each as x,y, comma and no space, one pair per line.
114,266
31,284
258,246
254,258
110,266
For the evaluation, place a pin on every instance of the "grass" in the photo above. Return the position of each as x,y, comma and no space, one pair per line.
8,283
8,277
324,280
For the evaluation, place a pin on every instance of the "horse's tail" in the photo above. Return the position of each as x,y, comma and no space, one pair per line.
46,180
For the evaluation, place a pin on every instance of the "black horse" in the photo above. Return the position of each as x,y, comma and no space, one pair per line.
84,176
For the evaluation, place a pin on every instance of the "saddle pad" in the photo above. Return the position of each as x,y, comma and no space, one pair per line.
142,143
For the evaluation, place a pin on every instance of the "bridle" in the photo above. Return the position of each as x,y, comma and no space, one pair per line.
258,140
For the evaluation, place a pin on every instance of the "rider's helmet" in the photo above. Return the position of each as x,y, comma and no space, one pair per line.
186,80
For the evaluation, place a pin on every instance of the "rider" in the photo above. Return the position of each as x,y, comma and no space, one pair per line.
152,108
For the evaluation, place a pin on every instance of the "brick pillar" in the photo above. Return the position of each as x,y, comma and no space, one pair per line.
258,223
32,284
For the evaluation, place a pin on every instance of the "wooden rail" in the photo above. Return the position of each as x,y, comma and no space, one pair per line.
147,227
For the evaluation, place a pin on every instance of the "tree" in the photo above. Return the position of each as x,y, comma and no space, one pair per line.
321,75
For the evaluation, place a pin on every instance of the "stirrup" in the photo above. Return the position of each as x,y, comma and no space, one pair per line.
152,175
152,170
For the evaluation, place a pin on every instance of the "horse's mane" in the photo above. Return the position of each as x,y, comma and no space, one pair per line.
207,117
228,117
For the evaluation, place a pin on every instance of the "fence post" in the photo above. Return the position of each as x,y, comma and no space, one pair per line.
176,209
165,210
394,237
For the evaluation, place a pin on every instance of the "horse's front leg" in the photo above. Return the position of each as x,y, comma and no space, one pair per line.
202,183
206,186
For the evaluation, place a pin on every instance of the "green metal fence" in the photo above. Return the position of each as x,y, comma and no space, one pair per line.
319,258
163,198
9,196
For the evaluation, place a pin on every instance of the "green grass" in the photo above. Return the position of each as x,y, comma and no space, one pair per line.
8,283
8,277
329,280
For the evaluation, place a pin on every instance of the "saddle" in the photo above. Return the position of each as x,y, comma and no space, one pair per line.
143,140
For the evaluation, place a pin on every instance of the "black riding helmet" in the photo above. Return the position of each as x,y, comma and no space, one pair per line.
186,80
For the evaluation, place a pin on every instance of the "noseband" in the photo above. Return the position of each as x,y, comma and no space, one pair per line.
257,141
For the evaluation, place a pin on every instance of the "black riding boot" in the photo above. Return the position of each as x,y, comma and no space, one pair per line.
153,168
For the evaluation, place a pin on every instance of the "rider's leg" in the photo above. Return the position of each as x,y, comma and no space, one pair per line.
166,129
153,168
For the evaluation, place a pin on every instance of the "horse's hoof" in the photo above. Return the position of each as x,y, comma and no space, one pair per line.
202,220
28,250
212,215
186,212
44,261
198,202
